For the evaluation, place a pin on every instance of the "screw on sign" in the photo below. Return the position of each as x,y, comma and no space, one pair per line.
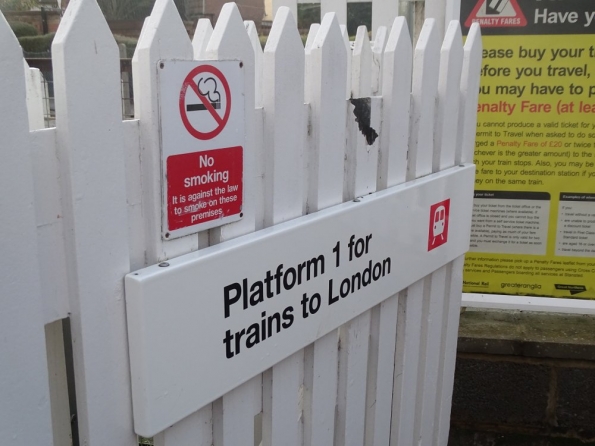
205,102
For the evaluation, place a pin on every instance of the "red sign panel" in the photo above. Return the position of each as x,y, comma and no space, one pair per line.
203,186
439,216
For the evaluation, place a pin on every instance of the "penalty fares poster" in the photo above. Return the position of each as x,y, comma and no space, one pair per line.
533,227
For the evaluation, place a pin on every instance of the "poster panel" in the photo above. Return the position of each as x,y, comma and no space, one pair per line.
533,230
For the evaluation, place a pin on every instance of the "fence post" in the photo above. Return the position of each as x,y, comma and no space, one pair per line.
326,148
283,75
24,387
92,166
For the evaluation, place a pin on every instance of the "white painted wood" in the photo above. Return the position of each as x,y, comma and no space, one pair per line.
378,46
361,155
134,192
469,95
430,354
423,98
163,37
194,430
392,160
258,122
447,116
433,329
361,162
258,61
91,152
353,366
92,198
450,329
25,404
327,60
323,390
528,303
240,406
314,27
286,401
349,53
308,78
406,364
383,14
291,4
339,7
283,98
308,407
410,331
396,90
34,84
381,364
361,65
135,57
230,41
49,217
202,35
54,338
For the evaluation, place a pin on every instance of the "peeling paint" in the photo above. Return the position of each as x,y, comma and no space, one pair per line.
362,117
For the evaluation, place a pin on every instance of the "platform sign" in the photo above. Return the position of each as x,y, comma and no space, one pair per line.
201,106
201,324
534,210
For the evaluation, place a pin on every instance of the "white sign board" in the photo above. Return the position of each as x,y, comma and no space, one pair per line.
201,106
203,323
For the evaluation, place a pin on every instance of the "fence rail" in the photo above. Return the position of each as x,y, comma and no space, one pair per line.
81,207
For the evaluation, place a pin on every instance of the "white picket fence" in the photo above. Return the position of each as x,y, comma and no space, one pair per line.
80,207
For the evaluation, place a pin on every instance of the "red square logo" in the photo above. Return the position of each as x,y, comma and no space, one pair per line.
439,216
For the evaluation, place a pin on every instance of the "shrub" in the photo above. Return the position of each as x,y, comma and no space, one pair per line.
37,44
22,29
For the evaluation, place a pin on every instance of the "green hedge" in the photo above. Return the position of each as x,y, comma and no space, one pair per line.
22,29
37,44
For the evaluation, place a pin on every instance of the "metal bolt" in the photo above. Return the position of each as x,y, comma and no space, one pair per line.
163,264
357,200
241,64
161,65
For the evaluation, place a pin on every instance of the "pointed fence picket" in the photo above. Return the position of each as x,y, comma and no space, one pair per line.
81,207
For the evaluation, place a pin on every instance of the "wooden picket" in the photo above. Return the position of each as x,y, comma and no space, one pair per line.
81,207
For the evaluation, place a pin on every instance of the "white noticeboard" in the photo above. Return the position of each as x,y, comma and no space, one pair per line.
201,107
201,324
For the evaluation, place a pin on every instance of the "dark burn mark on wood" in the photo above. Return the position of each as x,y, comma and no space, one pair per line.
362,117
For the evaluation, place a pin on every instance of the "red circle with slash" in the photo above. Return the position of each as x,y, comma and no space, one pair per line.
190,85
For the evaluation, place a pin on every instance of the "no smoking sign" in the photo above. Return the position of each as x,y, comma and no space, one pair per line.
201,107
